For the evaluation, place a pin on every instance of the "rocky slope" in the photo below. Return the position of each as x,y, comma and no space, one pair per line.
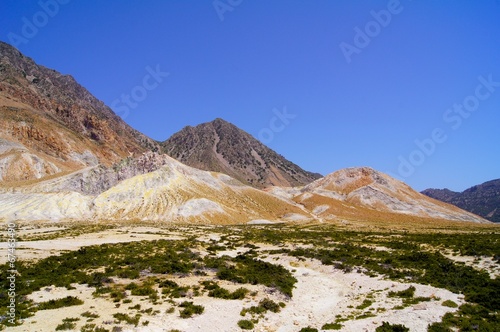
172,193
49,124
222,147
64,155
483,199
364,193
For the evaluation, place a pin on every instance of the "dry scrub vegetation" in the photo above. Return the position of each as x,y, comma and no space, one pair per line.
301,277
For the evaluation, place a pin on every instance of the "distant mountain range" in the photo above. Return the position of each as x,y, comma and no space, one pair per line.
482,199
64,155
220,146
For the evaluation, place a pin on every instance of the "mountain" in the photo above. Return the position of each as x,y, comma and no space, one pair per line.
483,199
50,125
220,146
64,155
173,192
364,193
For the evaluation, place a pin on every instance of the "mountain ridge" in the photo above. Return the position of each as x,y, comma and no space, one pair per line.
50,124
366,193
220,146
64,155
482,199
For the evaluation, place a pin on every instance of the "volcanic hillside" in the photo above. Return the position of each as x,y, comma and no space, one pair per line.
220,146
51,125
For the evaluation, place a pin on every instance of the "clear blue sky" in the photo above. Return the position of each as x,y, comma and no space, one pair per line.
358,98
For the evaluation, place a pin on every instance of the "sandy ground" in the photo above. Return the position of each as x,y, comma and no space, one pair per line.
479,263
321,295
323,292
29,250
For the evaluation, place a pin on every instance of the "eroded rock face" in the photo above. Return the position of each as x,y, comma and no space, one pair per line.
220,146
60,125
151,187
368,188
98,178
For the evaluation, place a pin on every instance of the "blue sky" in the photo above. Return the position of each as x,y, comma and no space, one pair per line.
411,88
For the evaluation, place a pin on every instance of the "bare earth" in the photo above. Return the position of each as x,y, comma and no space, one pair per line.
322,294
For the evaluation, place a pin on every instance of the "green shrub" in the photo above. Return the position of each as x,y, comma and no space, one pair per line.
469,317
88,314
332,326
239,294
88,328
128,319
264,306
222,293
407,293
190,309
245,324
143,291
252,271
386,327
60,303
308,329
270,305
366,303
65,326
450,304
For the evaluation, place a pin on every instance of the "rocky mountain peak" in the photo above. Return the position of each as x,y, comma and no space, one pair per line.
221,146
55,124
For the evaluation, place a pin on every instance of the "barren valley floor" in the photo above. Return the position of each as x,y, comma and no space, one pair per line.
351,276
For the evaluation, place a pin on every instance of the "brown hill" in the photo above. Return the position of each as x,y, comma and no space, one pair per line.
49,124
222,147
364,193
171,192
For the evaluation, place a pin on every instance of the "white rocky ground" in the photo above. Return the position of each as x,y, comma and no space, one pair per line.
321,295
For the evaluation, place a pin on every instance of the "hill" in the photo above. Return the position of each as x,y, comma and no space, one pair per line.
366,194
220,146
482,199
51,125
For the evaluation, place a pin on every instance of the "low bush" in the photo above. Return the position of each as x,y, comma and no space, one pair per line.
264,306
128,319
190,309
449,303
331,326
60,303
366,303
252,271
308,329
386,327
407,293
245,324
